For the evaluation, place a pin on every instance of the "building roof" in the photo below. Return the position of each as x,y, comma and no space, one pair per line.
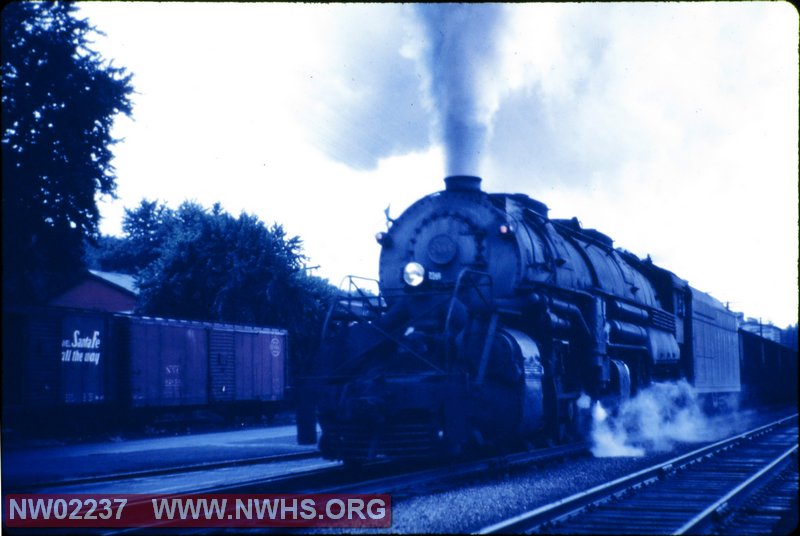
123,281
101,291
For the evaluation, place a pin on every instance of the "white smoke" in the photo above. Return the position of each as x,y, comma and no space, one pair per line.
655,420
463,64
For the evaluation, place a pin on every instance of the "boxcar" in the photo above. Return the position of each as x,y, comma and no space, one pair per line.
65,365
769,370
180,363
55,357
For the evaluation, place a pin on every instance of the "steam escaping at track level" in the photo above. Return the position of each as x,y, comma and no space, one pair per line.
462,61
654,420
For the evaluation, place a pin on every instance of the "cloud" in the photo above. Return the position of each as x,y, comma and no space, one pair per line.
671,127
364,101
642,83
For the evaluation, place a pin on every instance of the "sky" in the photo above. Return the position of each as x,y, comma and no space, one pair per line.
671,127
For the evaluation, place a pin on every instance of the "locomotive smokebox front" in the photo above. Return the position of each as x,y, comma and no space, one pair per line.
446,237
462,183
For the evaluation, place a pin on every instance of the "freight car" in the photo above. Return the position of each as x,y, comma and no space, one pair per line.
70,368
494,322
769,371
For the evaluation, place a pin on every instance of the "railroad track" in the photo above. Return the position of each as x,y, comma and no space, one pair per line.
411,482
161,471
377,478
395,477
706,490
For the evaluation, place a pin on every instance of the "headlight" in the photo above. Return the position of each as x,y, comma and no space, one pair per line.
413,274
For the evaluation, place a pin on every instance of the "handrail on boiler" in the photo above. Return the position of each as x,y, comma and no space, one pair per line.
353,293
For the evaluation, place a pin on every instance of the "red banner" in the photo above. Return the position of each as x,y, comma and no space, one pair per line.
324,510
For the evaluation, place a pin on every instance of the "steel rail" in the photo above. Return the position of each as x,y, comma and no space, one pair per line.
704,516
162,471
285,481
577,502
314,481
468,469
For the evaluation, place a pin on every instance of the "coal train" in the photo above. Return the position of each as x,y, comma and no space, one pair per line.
492,322
73,370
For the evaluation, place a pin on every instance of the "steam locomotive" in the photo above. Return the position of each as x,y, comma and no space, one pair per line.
491,325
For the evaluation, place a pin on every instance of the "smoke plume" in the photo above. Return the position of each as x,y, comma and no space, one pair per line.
655,420
463,64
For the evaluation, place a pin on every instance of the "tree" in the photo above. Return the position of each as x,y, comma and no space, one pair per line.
207,265
59,102
211,266
145,229
789,336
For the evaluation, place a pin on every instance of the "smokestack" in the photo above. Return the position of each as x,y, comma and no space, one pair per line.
462,183
463,62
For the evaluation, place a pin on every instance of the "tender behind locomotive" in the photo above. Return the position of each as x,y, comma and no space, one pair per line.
495,322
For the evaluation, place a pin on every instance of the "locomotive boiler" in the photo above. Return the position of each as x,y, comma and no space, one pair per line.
493,325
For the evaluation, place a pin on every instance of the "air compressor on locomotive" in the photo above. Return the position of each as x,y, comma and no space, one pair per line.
494,322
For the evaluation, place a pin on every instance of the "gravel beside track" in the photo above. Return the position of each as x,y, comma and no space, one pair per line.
476,505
